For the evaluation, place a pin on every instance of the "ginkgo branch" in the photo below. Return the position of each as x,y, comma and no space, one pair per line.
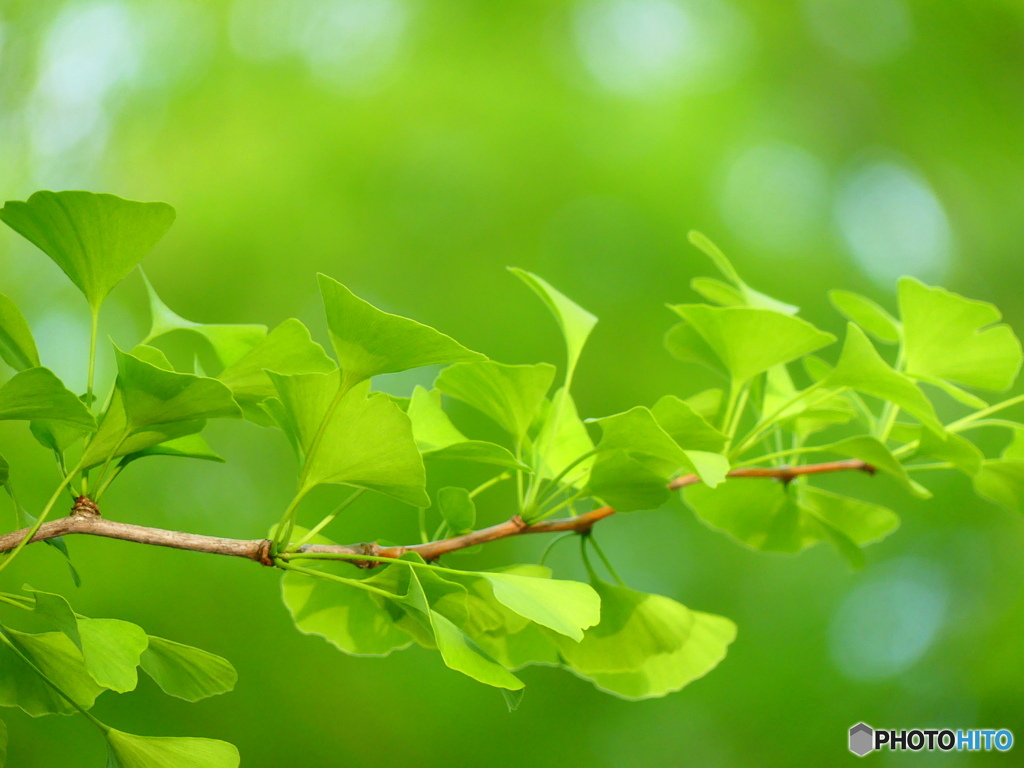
85,520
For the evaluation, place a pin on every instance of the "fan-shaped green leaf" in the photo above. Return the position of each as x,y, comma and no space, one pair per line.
97,239
17,347
576,323
127,750
56,657
358,440
767,517
457,508
186,672
646,645
947,336
749,297
860,367
567,607
686,426
111,648
227,341
36,393
867,314
369,342
684,343
286,350
187,447
512,395
750,341
439,439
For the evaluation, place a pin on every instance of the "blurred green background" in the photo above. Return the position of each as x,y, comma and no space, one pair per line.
412,150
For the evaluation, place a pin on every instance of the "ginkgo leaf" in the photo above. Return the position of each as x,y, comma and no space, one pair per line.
127,750
749,341
227,341
576,323
111,648
748,296
97,239
567,607
767,517
187,447
947,336
511,395
17,347
867,314
457,508
153,396
684,343
360,439
186,672
369,341
36,393
646,645
57,658
1001,481
439,439
458,651
686,426
860,367
565,440
286,350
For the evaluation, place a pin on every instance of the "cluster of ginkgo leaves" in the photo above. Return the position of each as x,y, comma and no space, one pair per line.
779,404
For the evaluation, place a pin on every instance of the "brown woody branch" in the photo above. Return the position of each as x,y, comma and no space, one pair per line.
85,519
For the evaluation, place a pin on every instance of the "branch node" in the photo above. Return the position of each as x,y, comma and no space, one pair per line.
85,507
519,523
263,554
370,549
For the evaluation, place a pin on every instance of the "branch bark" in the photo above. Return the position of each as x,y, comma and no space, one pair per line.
86,520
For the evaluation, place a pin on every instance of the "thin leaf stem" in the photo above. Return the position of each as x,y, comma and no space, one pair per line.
961,423
329,518
39,521
606,561
489,484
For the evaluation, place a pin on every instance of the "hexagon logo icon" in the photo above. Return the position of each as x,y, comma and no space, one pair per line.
862,739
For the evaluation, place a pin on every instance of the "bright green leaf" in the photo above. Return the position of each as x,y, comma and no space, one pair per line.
439,439
567,607
684,343
511,395
564,439
97,239
750,341
358,440
686,426
17,347
860,367
187,447
749,296
1001,481
369,342
36,393
227,341
53,654
111,647
457,508
717,292
576,323
130,751
286,350
185,672
947,336
867,314
646,645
